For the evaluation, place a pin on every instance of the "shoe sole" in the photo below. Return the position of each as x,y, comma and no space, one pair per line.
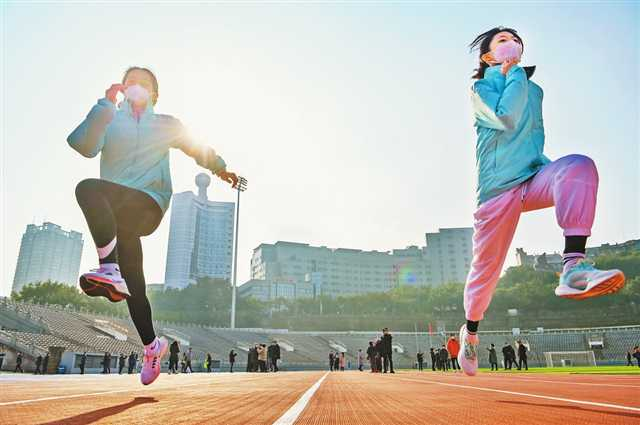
96,288
609,286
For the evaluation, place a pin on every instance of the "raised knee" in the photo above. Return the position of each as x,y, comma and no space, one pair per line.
582,166
84,188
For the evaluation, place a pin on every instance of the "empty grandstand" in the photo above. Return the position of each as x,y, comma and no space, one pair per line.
35,329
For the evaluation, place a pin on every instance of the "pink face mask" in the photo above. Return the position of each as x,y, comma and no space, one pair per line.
507,50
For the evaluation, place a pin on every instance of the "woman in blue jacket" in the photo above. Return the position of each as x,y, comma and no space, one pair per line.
132,194
514,176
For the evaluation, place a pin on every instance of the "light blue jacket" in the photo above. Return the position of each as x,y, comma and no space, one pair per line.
136,153
508,121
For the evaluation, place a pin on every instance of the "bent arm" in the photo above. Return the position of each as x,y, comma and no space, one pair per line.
205,156
88,138
499,101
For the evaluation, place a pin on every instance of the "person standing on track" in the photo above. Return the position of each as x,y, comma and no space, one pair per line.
232,360
522,355
121,361
371,356
83,362
453,347
132,194
331,356
132,363
387,351
514,176
636,354
360,359
434,359
506,355
273,355
420,360
493,357
174,357
38,364
188,359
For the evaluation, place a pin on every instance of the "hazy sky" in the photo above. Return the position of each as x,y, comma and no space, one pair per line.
351,121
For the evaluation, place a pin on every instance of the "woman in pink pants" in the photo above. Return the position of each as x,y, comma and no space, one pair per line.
514,176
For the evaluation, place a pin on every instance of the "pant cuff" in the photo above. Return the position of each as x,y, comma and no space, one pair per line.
577,231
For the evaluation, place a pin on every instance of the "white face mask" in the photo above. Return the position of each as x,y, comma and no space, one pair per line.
137,94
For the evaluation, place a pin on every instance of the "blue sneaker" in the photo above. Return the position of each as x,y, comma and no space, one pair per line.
585,281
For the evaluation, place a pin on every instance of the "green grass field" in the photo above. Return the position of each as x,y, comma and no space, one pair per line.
606,370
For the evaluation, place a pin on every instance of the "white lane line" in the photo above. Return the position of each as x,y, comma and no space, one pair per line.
294,411
130,390
493,390
62,397
501,378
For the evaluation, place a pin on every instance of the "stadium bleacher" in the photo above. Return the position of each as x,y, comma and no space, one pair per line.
32,329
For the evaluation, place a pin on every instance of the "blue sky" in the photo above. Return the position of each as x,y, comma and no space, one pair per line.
351,120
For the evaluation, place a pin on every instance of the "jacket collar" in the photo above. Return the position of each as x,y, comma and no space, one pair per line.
125,107
494,70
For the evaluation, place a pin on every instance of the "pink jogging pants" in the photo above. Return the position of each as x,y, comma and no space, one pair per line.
570,183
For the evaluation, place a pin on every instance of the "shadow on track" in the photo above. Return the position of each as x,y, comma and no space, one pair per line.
90,417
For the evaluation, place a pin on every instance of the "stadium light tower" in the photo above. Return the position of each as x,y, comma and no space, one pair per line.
242,186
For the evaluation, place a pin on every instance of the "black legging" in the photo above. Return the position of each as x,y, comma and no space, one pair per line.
113,210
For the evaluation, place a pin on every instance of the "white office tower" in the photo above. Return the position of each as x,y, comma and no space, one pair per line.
200,237
48,253
449,253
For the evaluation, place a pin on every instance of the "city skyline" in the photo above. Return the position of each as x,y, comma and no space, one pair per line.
351,123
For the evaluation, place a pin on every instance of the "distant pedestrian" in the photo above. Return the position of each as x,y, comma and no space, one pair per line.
83,362
420,359
387,350
232,360
45,364
360,360
132,362
493,357
38,365
208,363
522,356
453,347
434,359
19,363
174,357
188,359
121,363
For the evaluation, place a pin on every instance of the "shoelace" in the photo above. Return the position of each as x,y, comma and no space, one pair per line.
469,351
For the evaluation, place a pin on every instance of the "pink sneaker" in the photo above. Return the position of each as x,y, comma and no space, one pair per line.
105,281
468,354
152,362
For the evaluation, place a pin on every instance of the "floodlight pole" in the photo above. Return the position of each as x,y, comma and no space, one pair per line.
242,185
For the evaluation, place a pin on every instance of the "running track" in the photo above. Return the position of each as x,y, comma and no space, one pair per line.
322,398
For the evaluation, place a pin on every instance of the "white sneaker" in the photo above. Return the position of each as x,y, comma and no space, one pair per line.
468,354
585,281
105,282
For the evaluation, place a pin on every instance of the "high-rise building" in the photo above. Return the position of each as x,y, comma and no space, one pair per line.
48,253
449,253
200,237
341,271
